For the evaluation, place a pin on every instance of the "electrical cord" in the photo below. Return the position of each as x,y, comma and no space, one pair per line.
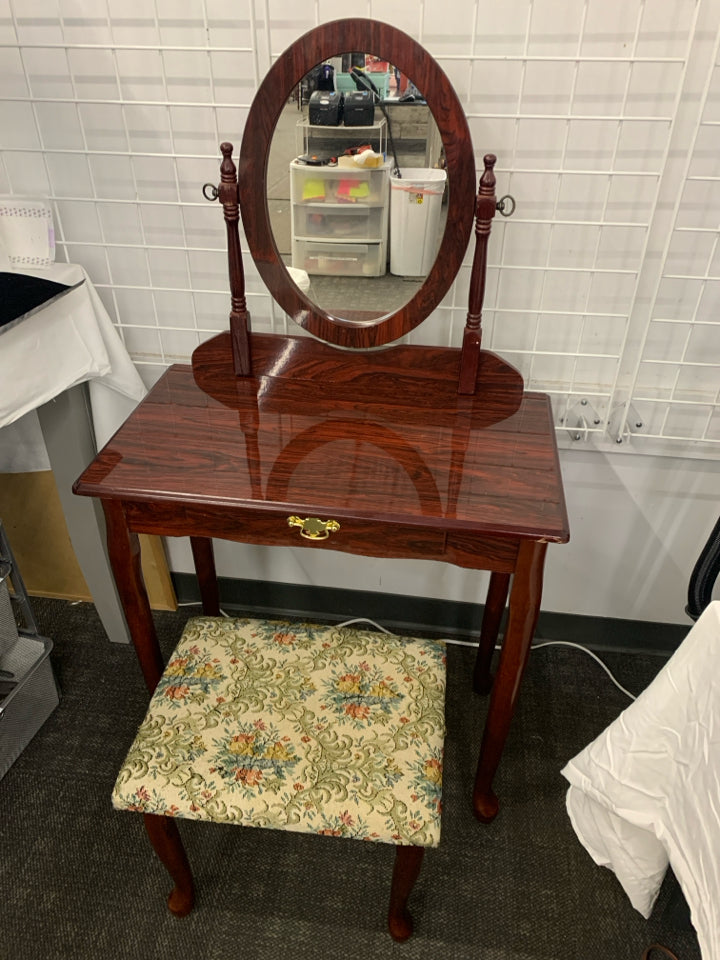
361,78
578,646
198,603
668,954
649,953
658,946
704,575
349,623
467,643
535,646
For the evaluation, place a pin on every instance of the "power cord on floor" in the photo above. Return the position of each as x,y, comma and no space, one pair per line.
658,946
578,646
468,643
349,623
654,948
535,646
198,603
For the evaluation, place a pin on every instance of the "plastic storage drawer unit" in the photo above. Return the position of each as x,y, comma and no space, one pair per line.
341,259
339,220
28,692
352,223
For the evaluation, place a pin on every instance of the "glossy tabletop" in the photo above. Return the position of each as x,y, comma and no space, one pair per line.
379,442
381,435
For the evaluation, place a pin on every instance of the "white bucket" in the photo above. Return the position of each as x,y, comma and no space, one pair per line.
415,209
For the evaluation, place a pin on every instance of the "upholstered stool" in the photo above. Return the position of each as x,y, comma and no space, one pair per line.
318,729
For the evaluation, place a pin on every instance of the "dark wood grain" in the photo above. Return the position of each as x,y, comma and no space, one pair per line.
485,205
492,615
364,537
416,452
165,839
406,870
124,553
409,379
437,467
239,315
410,58
381,443
522,620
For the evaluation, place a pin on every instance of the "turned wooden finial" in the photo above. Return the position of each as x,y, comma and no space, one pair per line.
487,180
228,172
239,315
485,205
486,202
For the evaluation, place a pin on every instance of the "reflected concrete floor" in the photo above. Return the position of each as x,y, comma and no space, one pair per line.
384,294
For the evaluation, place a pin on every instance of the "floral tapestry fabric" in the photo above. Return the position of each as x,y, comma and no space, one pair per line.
318,729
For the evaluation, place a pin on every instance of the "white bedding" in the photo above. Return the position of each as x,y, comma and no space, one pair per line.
646,792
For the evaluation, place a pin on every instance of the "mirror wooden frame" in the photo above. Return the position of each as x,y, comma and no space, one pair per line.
410,58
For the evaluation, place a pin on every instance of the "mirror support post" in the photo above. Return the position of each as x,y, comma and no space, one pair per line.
485,205
239,316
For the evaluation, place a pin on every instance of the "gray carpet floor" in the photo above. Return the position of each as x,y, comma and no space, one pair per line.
79,880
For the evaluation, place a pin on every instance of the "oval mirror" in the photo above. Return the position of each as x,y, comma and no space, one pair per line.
334,286
352,232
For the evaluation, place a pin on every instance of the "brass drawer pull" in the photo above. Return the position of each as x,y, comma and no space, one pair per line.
313,529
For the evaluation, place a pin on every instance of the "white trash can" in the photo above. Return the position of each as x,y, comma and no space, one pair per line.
415,209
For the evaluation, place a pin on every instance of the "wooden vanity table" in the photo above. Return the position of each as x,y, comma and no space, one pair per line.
403,452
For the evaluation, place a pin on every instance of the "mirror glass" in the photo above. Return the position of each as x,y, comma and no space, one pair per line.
357,239
354,254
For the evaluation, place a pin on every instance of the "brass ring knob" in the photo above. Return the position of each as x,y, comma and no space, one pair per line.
506,206
314,529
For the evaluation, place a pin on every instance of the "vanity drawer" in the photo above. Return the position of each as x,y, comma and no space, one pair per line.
357,536
272,529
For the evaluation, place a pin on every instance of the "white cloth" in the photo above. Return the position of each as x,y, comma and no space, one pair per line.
646,792
68,342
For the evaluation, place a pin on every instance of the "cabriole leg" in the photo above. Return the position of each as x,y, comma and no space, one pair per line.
204,558
124,553
408,861
165,838
494,607
524,609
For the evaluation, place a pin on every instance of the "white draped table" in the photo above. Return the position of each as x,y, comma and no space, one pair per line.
53,361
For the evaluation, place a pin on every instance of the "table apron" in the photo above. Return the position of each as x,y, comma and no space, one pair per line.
357,536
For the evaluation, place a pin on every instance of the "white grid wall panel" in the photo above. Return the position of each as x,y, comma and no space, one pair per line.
675,391
115,111
580,110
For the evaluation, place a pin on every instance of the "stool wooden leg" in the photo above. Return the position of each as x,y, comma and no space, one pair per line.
165,838
494,607
408,861
524,609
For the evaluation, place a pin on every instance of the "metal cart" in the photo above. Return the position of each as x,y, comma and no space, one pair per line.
28,691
